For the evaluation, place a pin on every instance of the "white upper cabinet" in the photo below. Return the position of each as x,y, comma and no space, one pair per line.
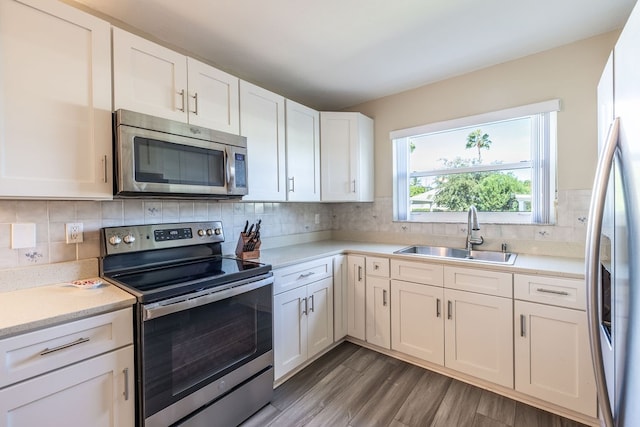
346,157
55,102
262,122
152,79
213,98
302,153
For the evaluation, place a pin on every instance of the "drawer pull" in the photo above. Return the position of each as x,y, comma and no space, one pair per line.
359,274
313,305
305,275
449,310
384,297
126,383
522,325
438,307
63,346
306,307
551,291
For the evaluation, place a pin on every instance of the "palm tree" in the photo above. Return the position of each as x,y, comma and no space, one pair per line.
479,140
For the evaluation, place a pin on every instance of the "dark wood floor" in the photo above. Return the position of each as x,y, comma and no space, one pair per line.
354,386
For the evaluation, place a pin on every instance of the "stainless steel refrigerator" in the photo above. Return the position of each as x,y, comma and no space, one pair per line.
613,236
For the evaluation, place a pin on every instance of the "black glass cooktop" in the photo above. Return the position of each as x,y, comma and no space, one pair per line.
152,284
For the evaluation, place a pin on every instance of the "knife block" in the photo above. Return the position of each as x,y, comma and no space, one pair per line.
241,253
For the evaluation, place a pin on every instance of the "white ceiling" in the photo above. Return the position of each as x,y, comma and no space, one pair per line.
331,54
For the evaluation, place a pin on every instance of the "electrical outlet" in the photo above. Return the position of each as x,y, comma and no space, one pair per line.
317,219
74,232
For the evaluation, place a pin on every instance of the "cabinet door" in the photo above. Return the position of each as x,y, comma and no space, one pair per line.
553,360
417,326
214,98
148,78
320,316
378,312
97,392
356,296
55,110
340,297
303,153
479,336
262,122
346,157
290,330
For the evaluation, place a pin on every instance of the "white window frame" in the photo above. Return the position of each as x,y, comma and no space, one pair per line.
543,165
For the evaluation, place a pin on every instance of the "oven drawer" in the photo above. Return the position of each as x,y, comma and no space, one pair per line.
558,291
34,353
301,274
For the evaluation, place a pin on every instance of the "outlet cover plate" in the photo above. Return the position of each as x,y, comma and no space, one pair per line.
74,232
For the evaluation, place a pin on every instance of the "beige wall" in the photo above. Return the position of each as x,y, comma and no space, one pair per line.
570,73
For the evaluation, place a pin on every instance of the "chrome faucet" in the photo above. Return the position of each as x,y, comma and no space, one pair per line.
472,225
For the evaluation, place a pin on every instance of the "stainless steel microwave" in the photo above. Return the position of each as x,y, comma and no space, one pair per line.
156,157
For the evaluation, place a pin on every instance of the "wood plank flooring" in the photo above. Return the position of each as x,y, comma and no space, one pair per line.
355,387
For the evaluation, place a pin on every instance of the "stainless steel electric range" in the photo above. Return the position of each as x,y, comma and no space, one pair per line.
203,323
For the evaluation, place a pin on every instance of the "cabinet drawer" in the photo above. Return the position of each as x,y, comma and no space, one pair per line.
377,266
33,353
418,272
550,290
301,274
480,281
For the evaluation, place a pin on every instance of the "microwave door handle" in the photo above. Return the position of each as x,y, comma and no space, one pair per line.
594,228
231,170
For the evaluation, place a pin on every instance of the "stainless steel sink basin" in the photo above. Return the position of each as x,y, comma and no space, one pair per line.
455,253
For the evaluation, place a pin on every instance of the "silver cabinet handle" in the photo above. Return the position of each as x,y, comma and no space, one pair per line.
105,164
305,275
306,307
292,184
195,98
313,305
522,325
552,291
126,383
384,297
438,307
376,267
181,93
353,185
63,346
592,265
359,274
449,310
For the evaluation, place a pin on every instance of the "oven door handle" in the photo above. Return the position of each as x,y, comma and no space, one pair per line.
175,305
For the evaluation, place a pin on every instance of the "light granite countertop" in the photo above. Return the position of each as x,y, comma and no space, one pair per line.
526,264
33,308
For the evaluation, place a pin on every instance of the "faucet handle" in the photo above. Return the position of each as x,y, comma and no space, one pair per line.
504,247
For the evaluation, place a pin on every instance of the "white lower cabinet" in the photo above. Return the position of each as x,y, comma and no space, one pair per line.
303,324
356,302
552,355
416,320
378,311
97,392
340,306
79,373
479,335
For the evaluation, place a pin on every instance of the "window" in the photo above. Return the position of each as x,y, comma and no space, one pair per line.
502,162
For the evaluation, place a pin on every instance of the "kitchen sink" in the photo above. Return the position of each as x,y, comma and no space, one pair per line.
455,253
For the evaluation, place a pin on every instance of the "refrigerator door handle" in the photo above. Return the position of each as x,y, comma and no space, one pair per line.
592,266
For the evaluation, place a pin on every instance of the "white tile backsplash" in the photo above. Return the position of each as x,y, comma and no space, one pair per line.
371,221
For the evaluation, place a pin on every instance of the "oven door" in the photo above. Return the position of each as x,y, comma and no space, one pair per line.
197,348
159,163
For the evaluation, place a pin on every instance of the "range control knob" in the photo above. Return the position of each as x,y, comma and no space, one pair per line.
115,240
218,231
209,232
129,239
201,232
